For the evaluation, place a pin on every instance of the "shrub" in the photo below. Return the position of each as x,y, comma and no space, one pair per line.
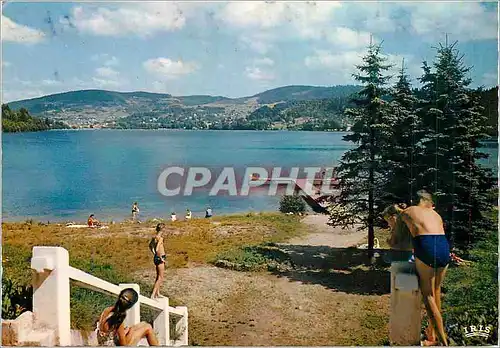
292,204
471,294
16,298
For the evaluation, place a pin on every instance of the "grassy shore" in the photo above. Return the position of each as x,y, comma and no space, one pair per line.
335,301
115,254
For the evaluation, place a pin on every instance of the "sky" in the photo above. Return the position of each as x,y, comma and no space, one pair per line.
232,49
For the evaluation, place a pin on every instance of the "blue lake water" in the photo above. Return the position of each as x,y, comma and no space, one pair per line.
66,175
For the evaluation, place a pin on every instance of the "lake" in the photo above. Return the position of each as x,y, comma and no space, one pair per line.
66,175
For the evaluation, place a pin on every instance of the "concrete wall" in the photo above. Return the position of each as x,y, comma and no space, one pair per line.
405,318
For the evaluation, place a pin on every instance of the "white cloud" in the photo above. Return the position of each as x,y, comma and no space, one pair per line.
260,24
15,32
261,14
128,19
112,61
169,69
264,61
50,82
258,42
106,77
107,72
464,22
348,38
257,74
342,65
105,59
20,94
243,14
105,83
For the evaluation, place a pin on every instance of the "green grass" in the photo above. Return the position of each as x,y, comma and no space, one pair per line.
470,293
122,250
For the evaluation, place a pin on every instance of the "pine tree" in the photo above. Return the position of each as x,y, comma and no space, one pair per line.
404,150
454,124
360,171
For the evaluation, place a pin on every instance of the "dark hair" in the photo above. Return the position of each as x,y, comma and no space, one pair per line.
160,227
126,300
390,211
91,215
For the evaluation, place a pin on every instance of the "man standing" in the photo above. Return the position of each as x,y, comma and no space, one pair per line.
208,212
432,256
159,259
135,211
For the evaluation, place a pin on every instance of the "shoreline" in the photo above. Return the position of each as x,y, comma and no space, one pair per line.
146,219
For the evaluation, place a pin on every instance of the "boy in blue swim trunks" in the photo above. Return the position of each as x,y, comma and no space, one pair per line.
432,255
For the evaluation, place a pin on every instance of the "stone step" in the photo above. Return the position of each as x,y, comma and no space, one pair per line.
16,330
39,338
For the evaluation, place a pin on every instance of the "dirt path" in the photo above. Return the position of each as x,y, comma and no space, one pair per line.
254,309
324,235
326,300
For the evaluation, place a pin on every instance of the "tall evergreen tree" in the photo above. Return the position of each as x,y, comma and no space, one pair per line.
454,124
360,171
404,150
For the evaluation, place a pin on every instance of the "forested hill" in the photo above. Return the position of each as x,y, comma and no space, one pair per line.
100,98
22,121
289,107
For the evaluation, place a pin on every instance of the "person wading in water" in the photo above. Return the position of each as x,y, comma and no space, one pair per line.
159,258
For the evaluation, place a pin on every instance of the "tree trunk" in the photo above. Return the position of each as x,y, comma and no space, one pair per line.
371,211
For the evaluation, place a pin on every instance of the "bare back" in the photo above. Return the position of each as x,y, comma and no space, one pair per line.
423,221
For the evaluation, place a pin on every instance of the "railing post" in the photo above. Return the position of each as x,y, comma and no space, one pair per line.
161,324
51,291
183,325
134,313
405,318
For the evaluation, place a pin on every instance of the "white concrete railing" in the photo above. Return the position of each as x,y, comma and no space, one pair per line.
405,318
51,298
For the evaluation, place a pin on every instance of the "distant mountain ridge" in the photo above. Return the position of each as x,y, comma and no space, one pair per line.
100,98
103,108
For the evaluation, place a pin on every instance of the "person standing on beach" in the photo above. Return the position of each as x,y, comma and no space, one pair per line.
432,256
173,217
208,213
188,214
159,259
135,211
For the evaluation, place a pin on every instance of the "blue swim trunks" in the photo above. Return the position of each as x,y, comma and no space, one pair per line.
433,250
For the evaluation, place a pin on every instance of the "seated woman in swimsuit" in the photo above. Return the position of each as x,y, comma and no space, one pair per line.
110,328
432,255
93,222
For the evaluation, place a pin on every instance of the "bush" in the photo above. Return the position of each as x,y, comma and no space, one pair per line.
292,204
16,298
470,294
